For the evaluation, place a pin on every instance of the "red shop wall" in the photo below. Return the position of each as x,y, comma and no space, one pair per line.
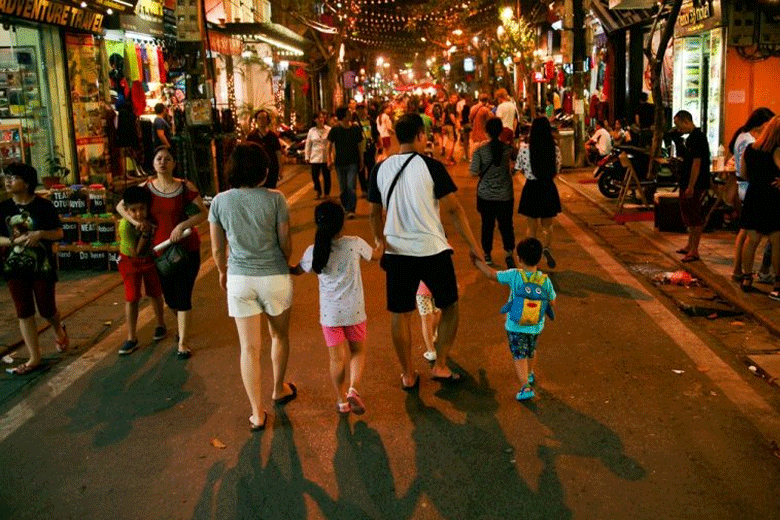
749,85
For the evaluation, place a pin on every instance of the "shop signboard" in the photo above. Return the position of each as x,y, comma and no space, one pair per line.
697,16
54,13
148,19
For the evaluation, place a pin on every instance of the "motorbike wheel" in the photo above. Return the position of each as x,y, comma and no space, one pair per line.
610,183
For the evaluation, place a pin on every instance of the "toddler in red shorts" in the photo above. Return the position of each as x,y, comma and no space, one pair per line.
136,264
336,260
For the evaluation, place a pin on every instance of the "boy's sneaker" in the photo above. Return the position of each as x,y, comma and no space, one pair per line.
128,347
765,278
160,333
525,393
510,262
430,355
355,402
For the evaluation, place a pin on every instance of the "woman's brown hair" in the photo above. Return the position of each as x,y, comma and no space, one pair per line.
770,137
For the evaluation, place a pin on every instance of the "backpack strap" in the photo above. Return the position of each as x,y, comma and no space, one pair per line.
395,180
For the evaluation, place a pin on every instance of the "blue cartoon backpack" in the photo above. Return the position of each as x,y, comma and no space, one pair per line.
530,302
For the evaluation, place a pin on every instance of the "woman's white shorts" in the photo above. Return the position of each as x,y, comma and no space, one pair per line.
251,295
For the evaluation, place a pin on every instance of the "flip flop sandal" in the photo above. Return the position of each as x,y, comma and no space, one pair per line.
63,345
682,251
414,385
775,294
286,399
22,370
258,427
689,258
452,378
183,354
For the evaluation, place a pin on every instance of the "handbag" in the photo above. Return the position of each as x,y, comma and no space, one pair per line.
170,259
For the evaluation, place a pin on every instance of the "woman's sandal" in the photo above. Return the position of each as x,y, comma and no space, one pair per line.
775,294
23,369
63,345
253,427
747,282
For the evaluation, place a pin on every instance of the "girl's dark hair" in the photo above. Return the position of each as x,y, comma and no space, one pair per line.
248,166
161,148
329,218
493,128
759,116
542,149
27,173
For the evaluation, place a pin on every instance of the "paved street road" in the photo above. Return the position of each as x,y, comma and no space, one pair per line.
639,414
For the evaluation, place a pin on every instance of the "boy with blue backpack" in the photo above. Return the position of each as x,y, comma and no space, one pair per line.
530,299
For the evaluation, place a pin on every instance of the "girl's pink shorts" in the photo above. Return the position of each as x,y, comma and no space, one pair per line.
335,335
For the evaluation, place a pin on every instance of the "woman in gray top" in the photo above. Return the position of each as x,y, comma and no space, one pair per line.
254,221
495,190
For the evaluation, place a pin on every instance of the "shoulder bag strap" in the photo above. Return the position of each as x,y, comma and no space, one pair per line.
395,180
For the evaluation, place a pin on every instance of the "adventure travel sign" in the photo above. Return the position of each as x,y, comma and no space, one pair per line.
54,13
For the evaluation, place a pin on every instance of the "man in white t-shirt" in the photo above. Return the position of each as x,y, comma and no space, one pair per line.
600,144
416,248
506,109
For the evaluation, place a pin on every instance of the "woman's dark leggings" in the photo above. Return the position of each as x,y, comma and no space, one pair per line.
501,211
315,177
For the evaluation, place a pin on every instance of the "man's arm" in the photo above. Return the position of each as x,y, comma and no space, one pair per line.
279,162
451,206
695,168
377,226
162,137
331,154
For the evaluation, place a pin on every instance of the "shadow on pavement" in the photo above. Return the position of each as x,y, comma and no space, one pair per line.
250,490
115,397
580,285
466,468
581,436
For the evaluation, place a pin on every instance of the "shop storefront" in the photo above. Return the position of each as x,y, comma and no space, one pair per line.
35,122
699,62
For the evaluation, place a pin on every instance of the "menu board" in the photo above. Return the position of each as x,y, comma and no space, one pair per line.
88,107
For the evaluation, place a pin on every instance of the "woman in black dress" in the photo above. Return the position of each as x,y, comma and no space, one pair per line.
761,207
540,161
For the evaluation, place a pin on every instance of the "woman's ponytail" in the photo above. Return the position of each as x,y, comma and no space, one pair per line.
329,218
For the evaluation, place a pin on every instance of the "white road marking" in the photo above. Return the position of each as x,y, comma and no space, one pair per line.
46,391
763,416
295,197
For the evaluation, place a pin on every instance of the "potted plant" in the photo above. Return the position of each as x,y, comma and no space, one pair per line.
55,169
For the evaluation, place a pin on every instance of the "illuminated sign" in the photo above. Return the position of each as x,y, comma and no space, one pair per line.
697,16
54,13
148,18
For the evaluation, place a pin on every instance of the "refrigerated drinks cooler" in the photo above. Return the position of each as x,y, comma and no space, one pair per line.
698,79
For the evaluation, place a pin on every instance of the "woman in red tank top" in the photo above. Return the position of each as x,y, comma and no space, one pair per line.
176,206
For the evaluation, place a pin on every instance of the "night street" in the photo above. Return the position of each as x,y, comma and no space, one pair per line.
641,411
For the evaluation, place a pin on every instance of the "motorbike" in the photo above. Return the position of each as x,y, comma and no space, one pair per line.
295,143
611,173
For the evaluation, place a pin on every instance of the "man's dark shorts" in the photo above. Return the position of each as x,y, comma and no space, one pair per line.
404,274
691,208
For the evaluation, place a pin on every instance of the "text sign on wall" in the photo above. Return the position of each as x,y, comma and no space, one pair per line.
148,18
697,17
53,13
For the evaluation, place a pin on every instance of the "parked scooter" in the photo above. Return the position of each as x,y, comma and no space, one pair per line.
295,143
611,173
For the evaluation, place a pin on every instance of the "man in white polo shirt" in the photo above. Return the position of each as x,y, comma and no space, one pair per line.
416,248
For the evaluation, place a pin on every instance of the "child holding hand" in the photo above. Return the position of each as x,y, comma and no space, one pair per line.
530,298
136,265
335,259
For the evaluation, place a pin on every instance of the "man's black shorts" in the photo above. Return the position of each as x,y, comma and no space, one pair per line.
404,274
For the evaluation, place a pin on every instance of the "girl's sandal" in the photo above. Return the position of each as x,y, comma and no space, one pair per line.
525,393
775,294
747,282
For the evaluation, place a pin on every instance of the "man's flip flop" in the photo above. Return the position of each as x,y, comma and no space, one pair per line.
258,427
682,251
22,370
452,378
286,399
689,258
413,386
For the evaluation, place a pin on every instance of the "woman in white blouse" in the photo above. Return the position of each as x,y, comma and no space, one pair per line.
316,153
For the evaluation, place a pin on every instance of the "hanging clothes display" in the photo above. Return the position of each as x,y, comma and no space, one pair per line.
161,66
151,56
131,62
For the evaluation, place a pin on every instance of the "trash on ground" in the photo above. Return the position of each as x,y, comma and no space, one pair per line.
681,277
678,371
218,444
753,368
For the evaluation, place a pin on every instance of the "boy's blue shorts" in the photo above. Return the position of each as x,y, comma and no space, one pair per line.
522,345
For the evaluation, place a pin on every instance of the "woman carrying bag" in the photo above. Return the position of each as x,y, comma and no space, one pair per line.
495,191
176,207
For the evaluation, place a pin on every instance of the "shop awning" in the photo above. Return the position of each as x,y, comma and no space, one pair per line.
271,33
615,19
